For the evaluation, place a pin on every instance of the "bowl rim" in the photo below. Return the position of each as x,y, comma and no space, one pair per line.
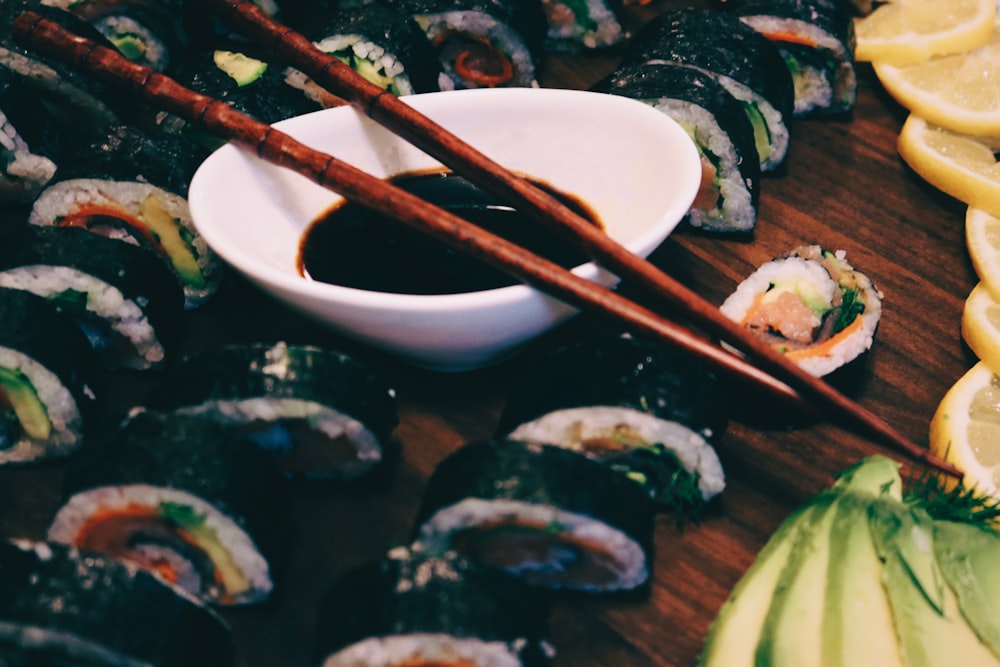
306,288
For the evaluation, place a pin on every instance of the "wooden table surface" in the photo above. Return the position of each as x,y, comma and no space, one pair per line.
842,186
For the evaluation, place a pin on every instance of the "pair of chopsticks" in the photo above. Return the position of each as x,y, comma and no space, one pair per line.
776,374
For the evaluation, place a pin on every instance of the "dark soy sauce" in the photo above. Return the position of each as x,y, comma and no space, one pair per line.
353,246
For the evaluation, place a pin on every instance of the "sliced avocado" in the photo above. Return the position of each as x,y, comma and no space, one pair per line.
167,231
761,132
877,475
969,556
928,636
243,69
793,623
367,70
907,533
733,634
130,45
229,574
858,628
31,413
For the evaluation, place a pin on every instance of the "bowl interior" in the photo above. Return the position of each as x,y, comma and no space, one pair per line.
633,166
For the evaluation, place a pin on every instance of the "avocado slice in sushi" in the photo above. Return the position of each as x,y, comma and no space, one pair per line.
17,391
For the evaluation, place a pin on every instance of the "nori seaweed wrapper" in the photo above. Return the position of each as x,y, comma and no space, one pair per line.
193,455
393,30
92,609
503,469
410,591
718,43
33,326
617,369
277,370
136,272
652,82
831,16
130,153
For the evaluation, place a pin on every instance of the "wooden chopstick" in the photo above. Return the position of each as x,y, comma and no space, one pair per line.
44,36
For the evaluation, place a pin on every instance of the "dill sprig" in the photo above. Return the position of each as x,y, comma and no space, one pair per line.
952,501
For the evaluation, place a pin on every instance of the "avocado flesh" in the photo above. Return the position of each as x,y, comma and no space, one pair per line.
734,632
969,557
908,534
243,69
167,231
29,409
227,571
761,133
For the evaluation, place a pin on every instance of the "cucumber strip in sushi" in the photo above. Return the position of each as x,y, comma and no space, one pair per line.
817,40
414,608
182,497
549,515
321,413
812,305
575,25
637,407
47,371
740,58
63,606
384,46
718,124
127,302
131,184
482,43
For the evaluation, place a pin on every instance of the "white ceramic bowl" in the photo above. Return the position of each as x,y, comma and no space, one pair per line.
636,168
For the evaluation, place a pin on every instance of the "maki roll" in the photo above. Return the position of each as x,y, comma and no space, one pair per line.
131,184
23,173
384,46
816,39
144,31
183,498
551,516
321,413
741,59
482,43
47,372
415,608
63,606
644,410
575,26
718,124
129,305
812,305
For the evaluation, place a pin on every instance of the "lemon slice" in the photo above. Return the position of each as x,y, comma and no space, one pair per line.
965,428
958,92
982,238
960,165
981,326
904,32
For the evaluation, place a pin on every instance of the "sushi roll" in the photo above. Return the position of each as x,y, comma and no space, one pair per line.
144,31
47,376
384,46
643,410
812,305
730,188
482,43
741,59
23,172
548,515
416,608
183,498
131,184
128,303
63,606
577,26
817,40
321,413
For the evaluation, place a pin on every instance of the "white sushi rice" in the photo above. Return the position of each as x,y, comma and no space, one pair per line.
383,62
24,174
67,196
607,33
239,546
814,89
571,427
435,534
484,27
332,423
155,53
124,316
738,212
63,412
738,304
423,648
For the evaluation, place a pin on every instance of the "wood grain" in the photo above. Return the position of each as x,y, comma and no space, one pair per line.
842,186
